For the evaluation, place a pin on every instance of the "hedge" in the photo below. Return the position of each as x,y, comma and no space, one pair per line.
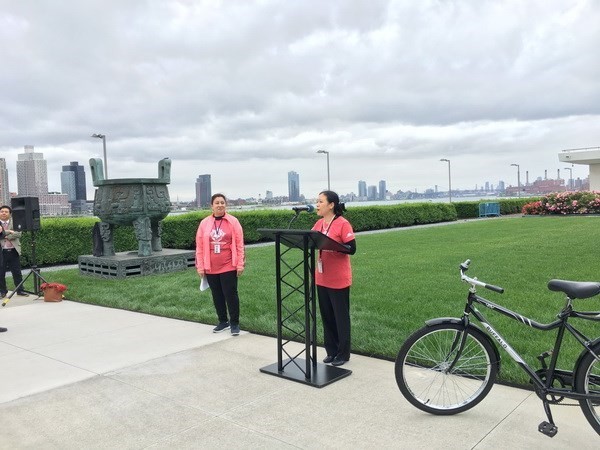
62,240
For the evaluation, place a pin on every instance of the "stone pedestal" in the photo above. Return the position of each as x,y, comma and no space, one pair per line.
129,264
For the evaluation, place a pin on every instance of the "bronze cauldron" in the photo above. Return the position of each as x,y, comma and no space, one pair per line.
141,202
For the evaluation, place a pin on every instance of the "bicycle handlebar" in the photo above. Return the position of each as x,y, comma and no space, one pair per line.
474,281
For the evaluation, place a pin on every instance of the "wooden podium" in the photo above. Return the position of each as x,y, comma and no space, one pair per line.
296,306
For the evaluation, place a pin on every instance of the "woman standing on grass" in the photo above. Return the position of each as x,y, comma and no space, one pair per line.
333,278
220,258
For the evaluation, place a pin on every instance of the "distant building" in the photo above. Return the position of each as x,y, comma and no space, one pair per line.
203,191
362,190
372,193
269,195
4,190
293,186
382,190
54,204
32,173
67,185
76,184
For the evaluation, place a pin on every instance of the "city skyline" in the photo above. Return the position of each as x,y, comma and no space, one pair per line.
203,185
386,88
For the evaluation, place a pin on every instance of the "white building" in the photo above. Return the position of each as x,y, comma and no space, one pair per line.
4,190
32,174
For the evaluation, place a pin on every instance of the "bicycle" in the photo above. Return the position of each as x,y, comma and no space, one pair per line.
450,364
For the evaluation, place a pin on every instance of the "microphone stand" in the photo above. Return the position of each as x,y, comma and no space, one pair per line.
293,219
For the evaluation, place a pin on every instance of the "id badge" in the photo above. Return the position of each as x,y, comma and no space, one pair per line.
217,248
320,266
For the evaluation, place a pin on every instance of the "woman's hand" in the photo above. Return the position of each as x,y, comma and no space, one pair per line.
201,273
240,272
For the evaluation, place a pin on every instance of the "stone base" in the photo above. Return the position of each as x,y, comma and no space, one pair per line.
129,264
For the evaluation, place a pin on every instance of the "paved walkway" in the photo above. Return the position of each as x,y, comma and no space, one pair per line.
81,376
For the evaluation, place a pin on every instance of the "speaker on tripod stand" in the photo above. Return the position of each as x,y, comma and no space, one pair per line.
25,213
26,217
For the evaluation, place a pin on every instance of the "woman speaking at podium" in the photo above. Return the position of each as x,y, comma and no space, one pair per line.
333,278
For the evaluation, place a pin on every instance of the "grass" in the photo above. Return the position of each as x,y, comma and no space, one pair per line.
401,279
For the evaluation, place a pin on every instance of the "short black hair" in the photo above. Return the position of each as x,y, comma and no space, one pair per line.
7,207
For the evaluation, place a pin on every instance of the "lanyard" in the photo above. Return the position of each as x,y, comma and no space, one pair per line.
326,232
218,228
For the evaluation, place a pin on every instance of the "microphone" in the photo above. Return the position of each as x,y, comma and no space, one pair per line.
307,208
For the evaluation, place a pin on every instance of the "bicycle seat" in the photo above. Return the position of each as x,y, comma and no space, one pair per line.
575,289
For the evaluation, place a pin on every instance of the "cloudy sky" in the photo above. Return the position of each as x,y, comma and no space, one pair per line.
249,90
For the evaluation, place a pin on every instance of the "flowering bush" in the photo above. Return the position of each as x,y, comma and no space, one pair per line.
580,202
56,286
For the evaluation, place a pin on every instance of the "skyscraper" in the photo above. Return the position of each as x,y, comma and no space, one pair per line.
32,173
293,186
76,183
372,193
4,191
203,191
67,184
362,190
382,190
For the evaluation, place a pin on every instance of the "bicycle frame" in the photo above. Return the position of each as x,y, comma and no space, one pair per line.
561,324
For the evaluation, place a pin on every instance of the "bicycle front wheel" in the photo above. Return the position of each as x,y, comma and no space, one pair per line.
434,377
587,380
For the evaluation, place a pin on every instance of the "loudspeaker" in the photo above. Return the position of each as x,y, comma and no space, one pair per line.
25,213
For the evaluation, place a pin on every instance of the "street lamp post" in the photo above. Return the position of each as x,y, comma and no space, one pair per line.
570,177
103,137
449,180
518,178
328,179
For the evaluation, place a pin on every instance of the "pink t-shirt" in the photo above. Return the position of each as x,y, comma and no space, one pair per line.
220,238
336,271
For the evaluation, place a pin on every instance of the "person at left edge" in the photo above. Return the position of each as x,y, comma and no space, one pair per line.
11,249
220,258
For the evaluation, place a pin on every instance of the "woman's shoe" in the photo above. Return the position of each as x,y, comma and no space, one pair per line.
338,361
328,359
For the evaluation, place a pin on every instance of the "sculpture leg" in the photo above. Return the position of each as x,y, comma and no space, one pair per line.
108,246
143,233
156,233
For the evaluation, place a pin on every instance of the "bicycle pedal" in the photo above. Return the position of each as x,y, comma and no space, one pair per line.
547,428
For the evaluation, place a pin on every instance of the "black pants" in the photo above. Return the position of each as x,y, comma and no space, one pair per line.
10,261
335,314
225,295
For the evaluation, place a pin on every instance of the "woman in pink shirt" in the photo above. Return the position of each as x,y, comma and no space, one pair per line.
220,258
333,278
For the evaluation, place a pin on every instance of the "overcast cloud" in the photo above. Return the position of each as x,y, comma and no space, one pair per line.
249,90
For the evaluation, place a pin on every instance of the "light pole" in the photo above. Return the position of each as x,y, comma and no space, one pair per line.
328,179
570,177
449,180
518,178
103,137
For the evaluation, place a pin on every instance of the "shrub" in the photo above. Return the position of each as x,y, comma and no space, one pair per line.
63,240
580,202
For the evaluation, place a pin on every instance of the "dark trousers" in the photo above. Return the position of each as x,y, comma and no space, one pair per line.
225,295
10,261
335,314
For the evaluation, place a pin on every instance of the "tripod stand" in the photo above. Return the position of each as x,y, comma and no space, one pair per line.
33,271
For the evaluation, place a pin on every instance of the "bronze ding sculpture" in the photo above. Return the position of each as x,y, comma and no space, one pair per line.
141,202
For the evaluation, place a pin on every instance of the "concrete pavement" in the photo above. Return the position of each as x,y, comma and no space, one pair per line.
82,376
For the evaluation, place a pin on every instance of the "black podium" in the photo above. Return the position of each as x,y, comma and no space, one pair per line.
296,306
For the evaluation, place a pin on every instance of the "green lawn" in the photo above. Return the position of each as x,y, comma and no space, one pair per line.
401,279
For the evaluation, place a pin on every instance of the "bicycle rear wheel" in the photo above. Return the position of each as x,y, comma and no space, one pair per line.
434,378
587,380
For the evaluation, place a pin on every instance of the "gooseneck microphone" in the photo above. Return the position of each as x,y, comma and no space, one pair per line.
307,208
